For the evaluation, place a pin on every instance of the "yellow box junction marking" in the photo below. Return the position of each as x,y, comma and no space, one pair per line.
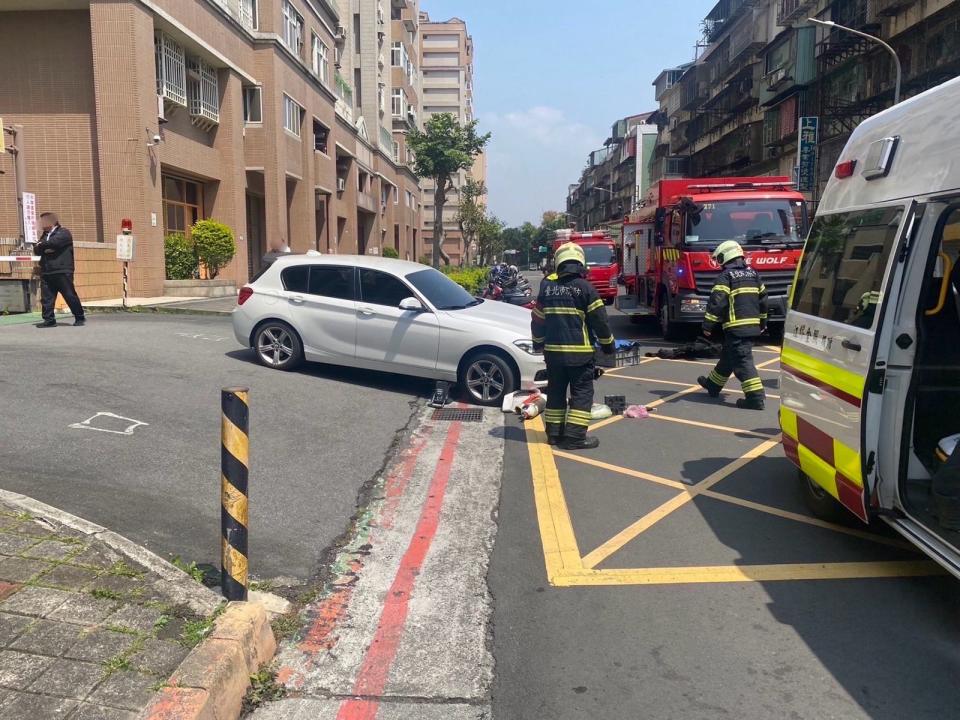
566,568
594,558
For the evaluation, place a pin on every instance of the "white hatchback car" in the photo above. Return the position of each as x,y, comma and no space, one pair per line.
388,315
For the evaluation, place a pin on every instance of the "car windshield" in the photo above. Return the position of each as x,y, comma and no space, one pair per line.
600,255
442,292
749,222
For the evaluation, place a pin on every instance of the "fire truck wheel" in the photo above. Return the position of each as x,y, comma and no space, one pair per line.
668,328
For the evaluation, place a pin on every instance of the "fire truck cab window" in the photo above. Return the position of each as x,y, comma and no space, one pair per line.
749,222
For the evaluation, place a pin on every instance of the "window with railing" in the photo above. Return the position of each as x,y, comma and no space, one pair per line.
171,69
203,92
398,103
292,115
247,13
320,59
292,29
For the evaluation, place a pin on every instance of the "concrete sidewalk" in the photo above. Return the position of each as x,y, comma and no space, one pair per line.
86,631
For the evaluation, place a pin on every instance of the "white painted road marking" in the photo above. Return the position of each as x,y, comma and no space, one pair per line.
89,424
200,336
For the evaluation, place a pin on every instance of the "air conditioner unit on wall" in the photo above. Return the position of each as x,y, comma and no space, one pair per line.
341,184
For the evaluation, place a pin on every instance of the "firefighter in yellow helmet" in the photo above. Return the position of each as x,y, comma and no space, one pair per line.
568,315
738,306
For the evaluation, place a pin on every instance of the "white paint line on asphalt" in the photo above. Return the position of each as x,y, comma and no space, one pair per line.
198,336
88,424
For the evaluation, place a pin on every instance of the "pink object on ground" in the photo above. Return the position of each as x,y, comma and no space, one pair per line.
636,411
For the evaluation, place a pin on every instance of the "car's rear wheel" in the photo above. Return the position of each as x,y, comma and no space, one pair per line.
277,345
486,378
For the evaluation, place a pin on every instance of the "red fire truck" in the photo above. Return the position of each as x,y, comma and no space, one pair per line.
600,250
666,245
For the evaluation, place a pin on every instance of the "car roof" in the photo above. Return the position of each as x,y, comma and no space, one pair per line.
375,262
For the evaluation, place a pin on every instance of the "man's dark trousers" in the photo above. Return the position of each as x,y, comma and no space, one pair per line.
59,283
737,358
563,419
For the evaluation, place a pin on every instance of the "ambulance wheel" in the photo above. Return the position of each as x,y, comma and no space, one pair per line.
821,503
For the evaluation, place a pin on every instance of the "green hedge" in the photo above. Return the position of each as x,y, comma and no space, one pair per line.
389,252
181,259
471,279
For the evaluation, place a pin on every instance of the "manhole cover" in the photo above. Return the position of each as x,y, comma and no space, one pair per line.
463,415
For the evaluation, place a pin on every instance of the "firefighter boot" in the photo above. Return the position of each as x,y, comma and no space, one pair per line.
576,438
708,385
751,401
587,442
554,433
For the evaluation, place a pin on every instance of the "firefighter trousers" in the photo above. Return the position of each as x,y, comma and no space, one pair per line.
737,358
563,418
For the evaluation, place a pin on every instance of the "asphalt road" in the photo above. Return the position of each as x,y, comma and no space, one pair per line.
649,643
317,435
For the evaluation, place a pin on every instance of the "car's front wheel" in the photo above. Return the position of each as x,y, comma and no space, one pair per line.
277,345
486,378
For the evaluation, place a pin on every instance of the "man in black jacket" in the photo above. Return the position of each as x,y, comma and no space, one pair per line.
738,305
56,271
568,316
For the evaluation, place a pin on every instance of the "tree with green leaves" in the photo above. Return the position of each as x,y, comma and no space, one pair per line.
472,212
489,239
441,150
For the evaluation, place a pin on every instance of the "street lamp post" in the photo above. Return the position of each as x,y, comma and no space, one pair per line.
874,38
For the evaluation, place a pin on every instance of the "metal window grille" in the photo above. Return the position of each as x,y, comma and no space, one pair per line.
171,70
204,93
247,13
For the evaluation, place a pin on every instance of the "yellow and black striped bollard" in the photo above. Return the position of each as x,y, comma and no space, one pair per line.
234,511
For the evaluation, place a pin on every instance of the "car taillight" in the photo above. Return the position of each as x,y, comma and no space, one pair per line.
245,292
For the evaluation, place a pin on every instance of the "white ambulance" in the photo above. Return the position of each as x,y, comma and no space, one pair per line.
870,378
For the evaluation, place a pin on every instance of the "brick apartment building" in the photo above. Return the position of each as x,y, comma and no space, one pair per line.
284,119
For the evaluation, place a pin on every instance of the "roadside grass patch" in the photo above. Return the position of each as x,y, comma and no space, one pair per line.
263,688
190,569
285,626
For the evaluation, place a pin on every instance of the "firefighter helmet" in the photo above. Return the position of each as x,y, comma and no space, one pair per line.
569,252
727,251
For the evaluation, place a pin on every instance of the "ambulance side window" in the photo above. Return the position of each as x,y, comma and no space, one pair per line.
844,262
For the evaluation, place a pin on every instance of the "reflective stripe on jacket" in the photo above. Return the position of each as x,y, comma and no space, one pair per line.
738,301
568,314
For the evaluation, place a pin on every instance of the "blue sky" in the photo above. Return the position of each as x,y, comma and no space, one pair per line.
552,76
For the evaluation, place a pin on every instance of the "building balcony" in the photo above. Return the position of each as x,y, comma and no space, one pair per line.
791,10
889,8
344,104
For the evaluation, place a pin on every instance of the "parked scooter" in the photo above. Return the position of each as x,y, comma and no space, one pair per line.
504,286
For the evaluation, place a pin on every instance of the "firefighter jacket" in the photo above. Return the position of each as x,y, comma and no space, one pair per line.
568,314
738,301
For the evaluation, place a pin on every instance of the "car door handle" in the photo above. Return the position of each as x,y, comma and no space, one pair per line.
365,311
297,299
851,345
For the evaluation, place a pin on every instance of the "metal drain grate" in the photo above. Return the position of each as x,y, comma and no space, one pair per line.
463,415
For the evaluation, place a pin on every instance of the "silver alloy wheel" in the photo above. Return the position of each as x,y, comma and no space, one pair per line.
485,380
275,345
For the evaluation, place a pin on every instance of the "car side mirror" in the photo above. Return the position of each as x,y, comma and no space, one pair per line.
411,304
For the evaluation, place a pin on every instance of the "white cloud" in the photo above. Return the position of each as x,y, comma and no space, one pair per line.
534,155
